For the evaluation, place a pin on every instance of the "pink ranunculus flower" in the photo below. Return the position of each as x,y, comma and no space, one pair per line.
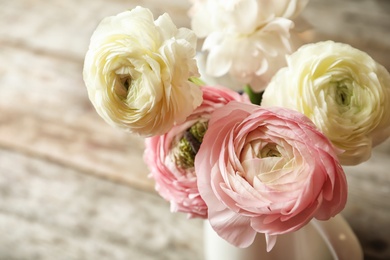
170,157
266,170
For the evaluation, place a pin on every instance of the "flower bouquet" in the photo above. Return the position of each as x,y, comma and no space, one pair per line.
261,155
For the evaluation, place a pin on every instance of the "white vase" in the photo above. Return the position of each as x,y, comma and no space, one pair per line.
319,240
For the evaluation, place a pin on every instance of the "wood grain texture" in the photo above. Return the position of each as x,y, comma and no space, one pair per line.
72,187
48,114
48,211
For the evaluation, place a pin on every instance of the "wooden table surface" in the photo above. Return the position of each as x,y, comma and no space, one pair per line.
72,187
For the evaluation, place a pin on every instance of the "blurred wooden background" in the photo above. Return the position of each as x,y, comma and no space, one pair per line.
72,187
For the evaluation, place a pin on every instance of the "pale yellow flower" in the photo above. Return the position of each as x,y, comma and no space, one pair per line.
342,90
137,72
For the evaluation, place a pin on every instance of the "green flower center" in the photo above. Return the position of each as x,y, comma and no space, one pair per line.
269,150
188,145
186,154
123,85
126,82
343,94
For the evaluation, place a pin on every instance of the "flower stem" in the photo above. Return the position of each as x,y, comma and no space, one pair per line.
197,81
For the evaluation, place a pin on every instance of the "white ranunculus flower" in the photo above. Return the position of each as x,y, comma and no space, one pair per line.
247,39
342,90
240,16
137,72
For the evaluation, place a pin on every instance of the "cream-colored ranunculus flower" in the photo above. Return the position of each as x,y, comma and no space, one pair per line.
137,72
342,90
246,39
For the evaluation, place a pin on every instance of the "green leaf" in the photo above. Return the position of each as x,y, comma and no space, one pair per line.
254,97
